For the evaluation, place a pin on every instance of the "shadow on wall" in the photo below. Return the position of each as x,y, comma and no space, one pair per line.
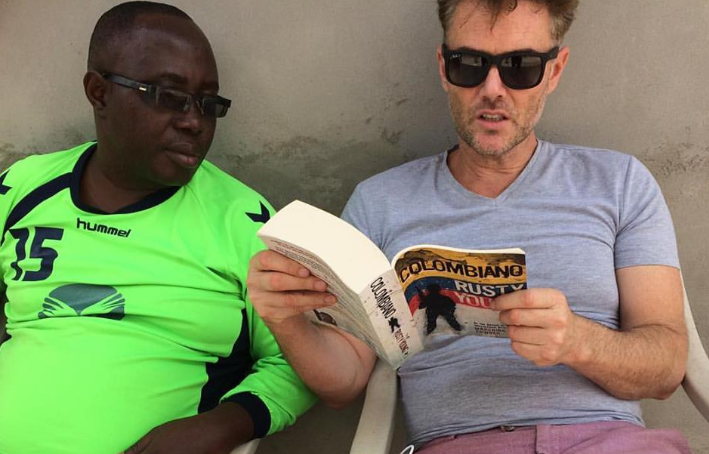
61,139
310,169
9,154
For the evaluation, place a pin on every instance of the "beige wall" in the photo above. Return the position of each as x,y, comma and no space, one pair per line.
327,93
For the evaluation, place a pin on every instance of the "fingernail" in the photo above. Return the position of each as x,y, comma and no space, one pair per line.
303,272
320,286
330,299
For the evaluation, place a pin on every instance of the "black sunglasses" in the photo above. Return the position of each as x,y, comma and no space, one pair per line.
169,98
519,70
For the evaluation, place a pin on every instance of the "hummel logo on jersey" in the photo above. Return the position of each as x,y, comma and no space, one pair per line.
100,228
84,299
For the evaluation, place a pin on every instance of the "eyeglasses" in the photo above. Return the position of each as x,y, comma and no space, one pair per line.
519,70
169,98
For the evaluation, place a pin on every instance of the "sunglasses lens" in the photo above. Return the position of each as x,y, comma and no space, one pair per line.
211,106
521,71
172,99
467,70
215,107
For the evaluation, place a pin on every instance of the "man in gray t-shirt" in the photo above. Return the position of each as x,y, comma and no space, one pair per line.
601,324
581,215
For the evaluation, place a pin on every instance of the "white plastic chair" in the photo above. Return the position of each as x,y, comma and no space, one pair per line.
376,423
248,448
696,380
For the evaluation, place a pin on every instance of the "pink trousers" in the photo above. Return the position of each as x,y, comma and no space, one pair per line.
592,438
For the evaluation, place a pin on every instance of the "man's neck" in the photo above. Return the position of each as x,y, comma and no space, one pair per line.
103,190
490,175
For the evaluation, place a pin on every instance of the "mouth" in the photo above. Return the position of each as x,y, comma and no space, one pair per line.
184,154
492,117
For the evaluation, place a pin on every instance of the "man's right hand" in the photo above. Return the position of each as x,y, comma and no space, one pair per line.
334,364
281,288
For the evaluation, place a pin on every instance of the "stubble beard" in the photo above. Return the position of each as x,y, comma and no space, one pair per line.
463,120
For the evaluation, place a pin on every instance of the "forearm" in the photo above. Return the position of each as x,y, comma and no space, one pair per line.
333,364
236,423
217,431
327,360
643,362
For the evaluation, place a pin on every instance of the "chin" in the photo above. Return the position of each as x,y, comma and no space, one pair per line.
488,147
178,178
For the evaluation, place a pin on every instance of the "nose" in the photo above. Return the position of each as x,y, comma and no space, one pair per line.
493,87
192,120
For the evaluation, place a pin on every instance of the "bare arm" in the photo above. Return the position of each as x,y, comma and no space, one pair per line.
217,431
334,365
645,358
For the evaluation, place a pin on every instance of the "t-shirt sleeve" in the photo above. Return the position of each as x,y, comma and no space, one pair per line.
355,213
645,235
272,393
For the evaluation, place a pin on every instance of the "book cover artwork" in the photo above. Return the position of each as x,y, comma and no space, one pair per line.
449,291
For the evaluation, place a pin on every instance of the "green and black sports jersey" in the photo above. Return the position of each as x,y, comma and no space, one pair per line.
121,322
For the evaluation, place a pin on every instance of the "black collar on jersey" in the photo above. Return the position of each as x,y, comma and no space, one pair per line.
154,199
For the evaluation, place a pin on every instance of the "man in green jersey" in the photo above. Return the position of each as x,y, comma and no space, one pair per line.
123,263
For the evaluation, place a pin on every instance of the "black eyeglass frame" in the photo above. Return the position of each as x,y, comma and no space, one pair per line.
496,60
152,91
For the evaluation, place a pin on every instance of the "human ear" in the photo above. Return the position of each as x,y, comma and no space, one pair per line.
557,68
442,69
95,89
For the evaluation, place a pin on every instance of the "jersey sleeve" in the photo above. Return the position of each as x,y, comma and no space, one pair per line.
272,393
272,381
645,233
13,183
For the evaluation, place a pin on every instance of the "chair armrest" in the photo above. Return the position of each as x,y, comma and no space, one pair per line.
376,423
247,448
696,379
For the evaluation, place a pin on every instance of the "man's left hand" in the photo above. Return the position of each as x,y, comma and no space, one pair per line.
217,431
540,324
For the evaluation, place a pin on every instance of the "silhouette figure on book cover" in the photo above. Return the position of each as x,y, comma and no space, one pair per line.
437,304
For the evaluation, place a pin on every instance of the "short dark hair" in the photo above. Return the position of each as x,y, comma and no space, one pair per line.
119,20
562,12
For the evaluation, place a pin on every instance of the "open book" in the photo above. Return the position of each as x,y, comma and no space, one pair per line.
393,307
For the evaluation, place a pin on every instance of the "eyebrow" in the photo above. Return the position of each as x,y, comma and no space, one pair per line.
469,49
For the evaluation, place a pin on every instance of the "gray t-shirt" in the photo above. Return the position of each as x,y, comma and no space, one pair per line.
579,214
